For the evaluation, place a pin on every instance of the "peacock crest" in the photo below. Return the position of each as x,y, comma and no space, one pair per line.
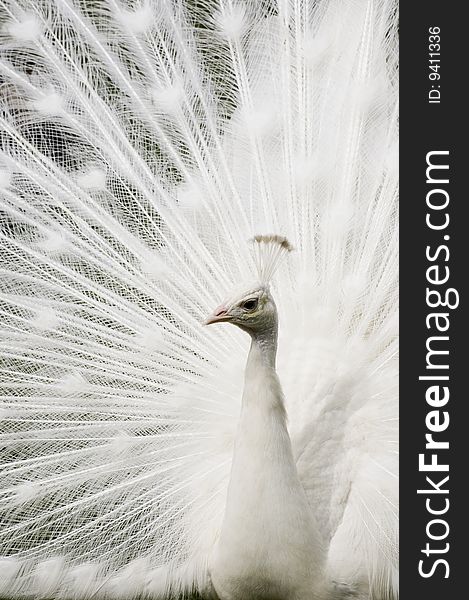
269,250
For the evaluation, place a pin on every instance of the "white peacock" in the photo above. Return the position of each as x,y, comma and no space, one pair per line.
143,143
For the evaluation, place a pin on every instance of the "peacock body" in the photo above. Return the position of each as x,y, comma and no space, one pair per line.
143,144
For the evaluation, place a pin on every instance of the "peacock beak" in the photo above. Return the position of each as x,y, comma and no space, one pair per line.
219,315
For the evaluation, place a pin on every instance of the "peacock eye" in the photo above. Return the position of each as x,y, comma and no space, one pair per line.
250,304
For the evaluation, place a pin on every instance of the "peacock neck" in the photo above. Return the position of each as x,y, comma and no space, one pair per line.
263,350
262,396
267,527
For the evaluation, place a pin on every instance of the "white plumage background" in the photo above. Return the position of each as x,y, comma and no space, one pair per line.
143,143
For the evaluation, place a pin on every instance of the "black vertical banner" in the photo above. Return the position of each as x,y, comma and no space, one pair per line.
434,438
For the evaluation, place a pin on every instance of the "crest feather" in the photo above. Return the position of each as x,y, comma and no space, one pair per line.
268,252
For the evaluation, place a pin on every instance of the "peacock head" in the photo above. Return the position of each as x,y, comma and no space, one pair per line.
252,308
